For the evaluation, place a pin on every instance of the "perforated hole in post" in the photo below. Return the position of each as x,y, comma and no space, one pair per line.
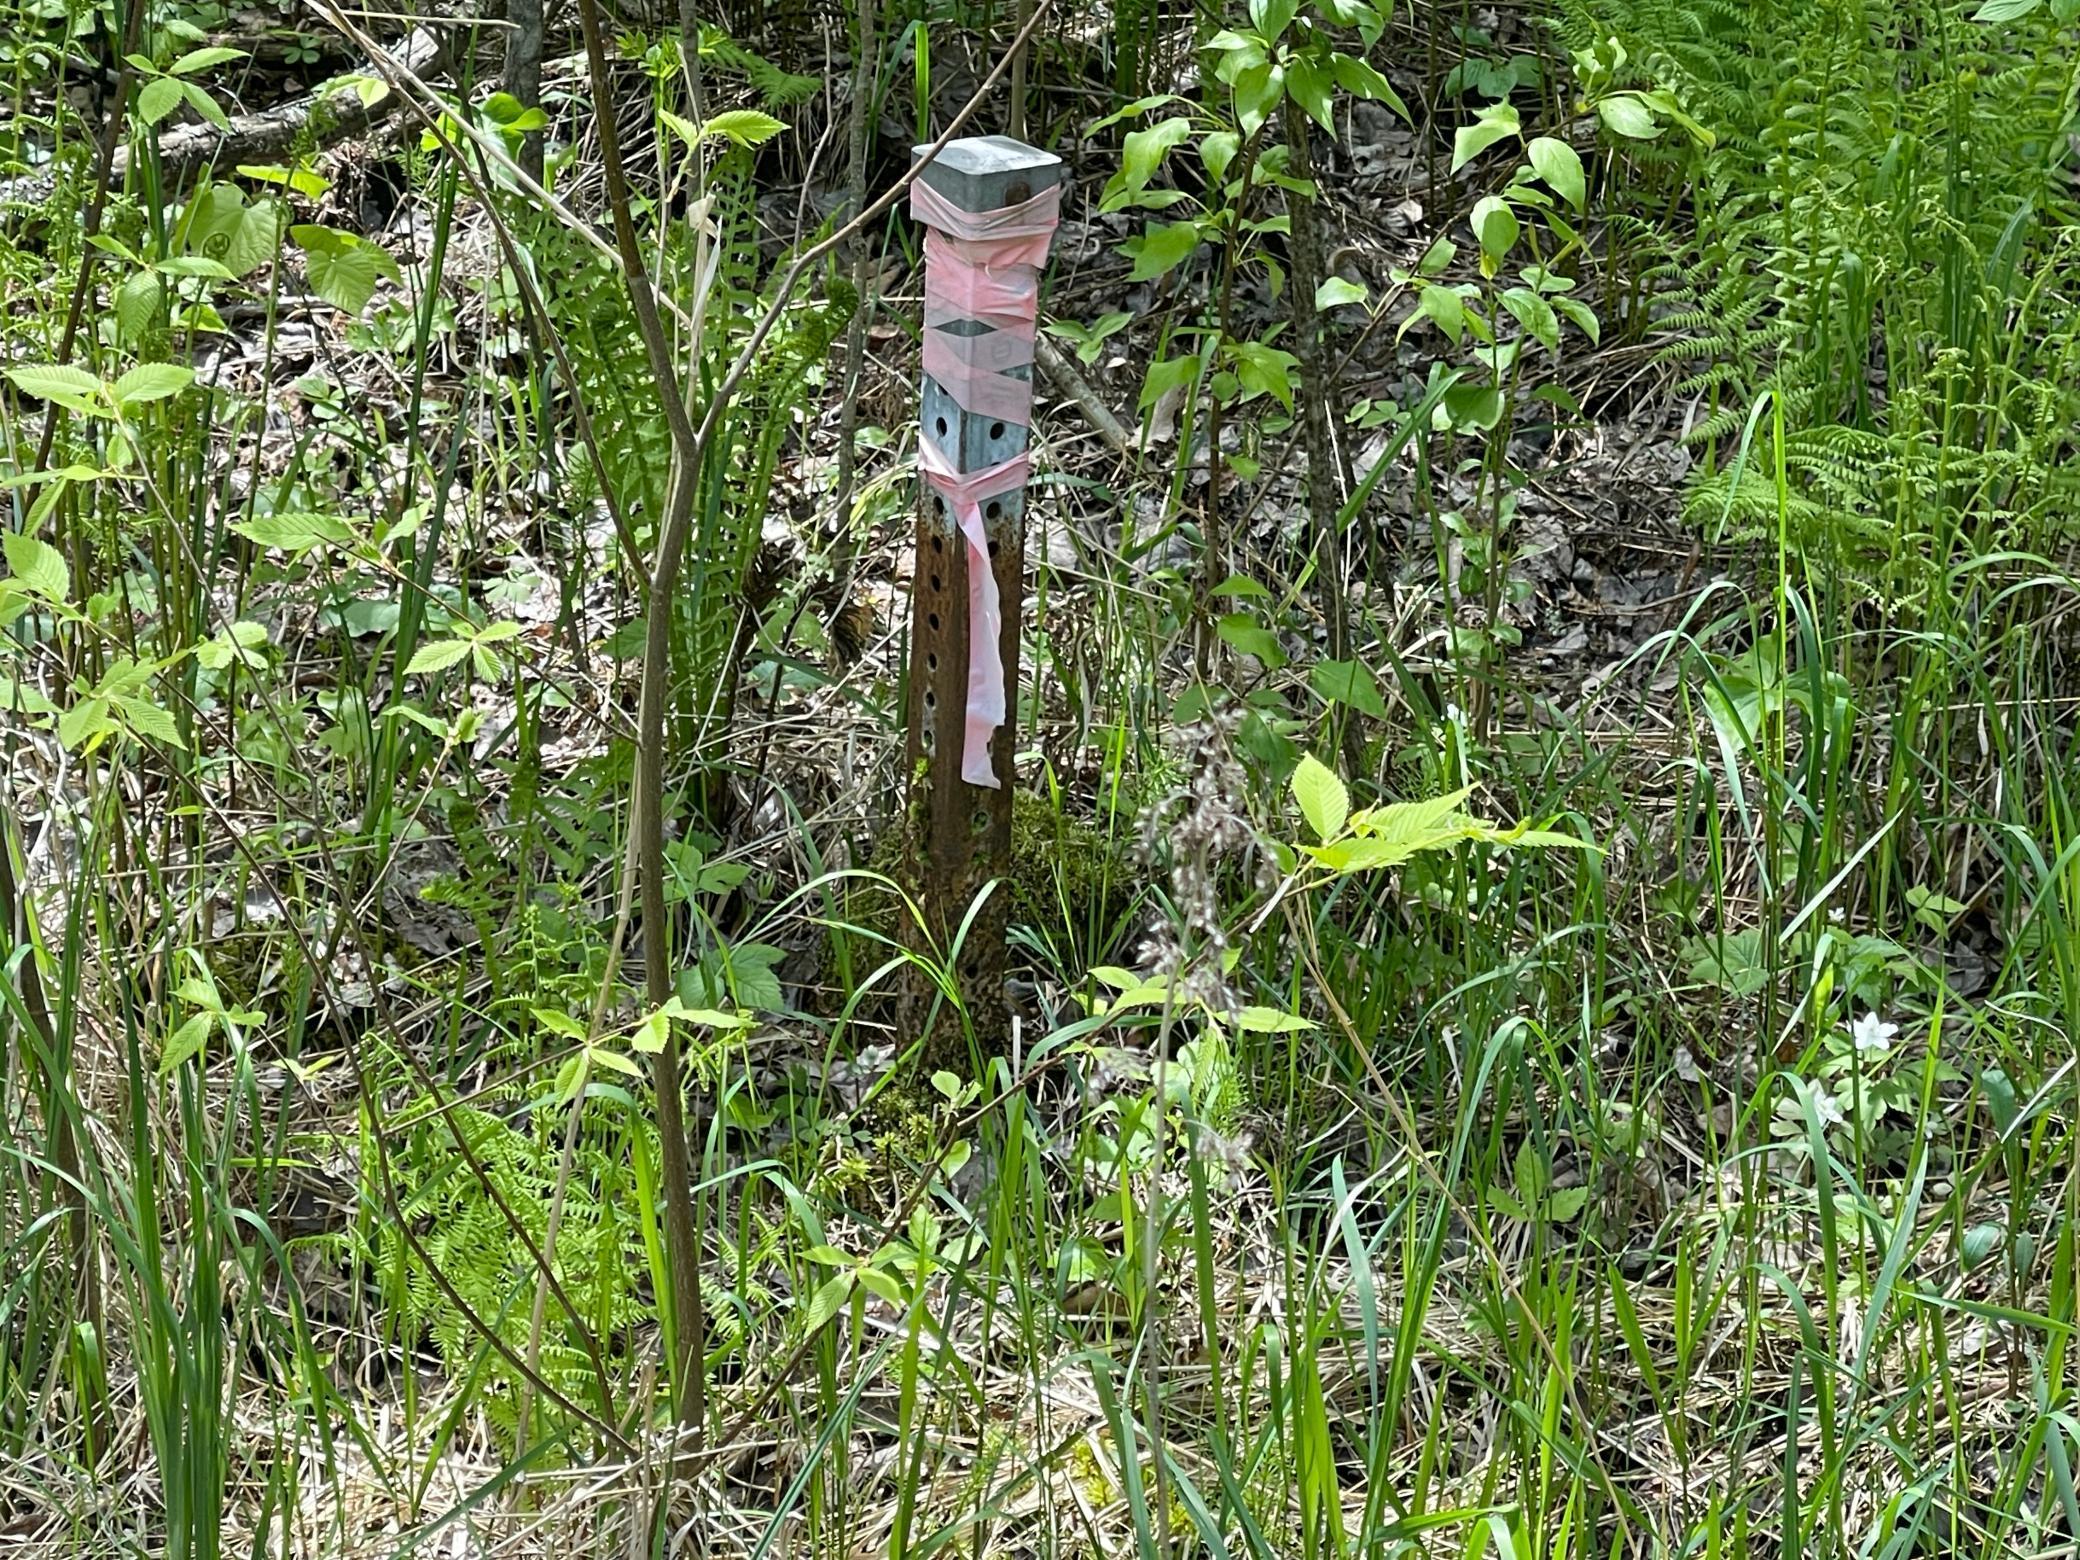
933,619
942,427
994,510
996,430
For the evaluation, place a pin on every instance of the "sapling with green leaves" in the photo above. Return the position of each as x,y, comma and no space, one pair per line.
1282,69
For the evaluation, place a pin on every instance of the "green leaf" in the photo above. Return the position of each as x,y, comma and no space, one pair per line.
85,724
1529,1173
1336,292
205,105
1271,1021
144,719
745,126
559,1023
1583,316
1348,682
1241,632
36,566
830,1295
1566,1205
1258,92
1443,307
1497,121
158,98
876,1282
295,533
436,656
1561,167
1535,314
1217,149
1168,375
1623,113
201,59
137,302
1324,802
613,1061
239,642
2005,10
1141,155
152,382
255,239
1272,17
1495,224
1263,369
1160,249
184,1043
59,382
1361,80
343,269
1310,89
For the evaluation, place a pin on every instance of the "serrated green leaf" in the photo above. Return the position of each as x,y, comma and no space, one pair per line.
295,533
36,566
436,656
744,126
201,59
829,1296
60,382
152,382
1324,801
558,1022
137,302
205,105
184,1043
158,98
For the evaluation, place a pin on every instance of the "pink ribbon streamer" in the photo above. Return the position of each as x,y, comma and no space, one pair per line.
984,266
965,493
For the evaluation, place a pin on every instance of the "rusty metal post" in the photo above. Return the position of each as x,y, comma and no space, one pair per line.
962,830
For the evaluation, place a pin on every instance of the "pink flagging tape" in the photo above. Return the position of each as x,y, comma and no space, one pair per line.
984,266
965,493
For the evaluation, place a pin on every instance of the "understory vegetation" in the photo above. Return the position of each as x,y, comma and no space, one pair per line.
1543,986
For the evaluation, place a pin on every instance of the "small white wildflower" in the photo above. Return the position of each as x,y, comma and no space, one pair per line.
1827,1108
1872,1036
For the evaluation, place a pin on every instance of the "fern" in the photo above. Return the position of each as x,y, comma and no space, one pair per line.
776,88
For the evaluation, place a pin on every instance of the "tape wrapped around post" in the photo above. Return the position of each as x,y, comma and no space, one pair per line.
982,268
965,494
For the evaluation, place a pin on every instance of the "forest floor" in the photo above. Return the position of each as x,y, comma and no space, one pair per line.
1692,1175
